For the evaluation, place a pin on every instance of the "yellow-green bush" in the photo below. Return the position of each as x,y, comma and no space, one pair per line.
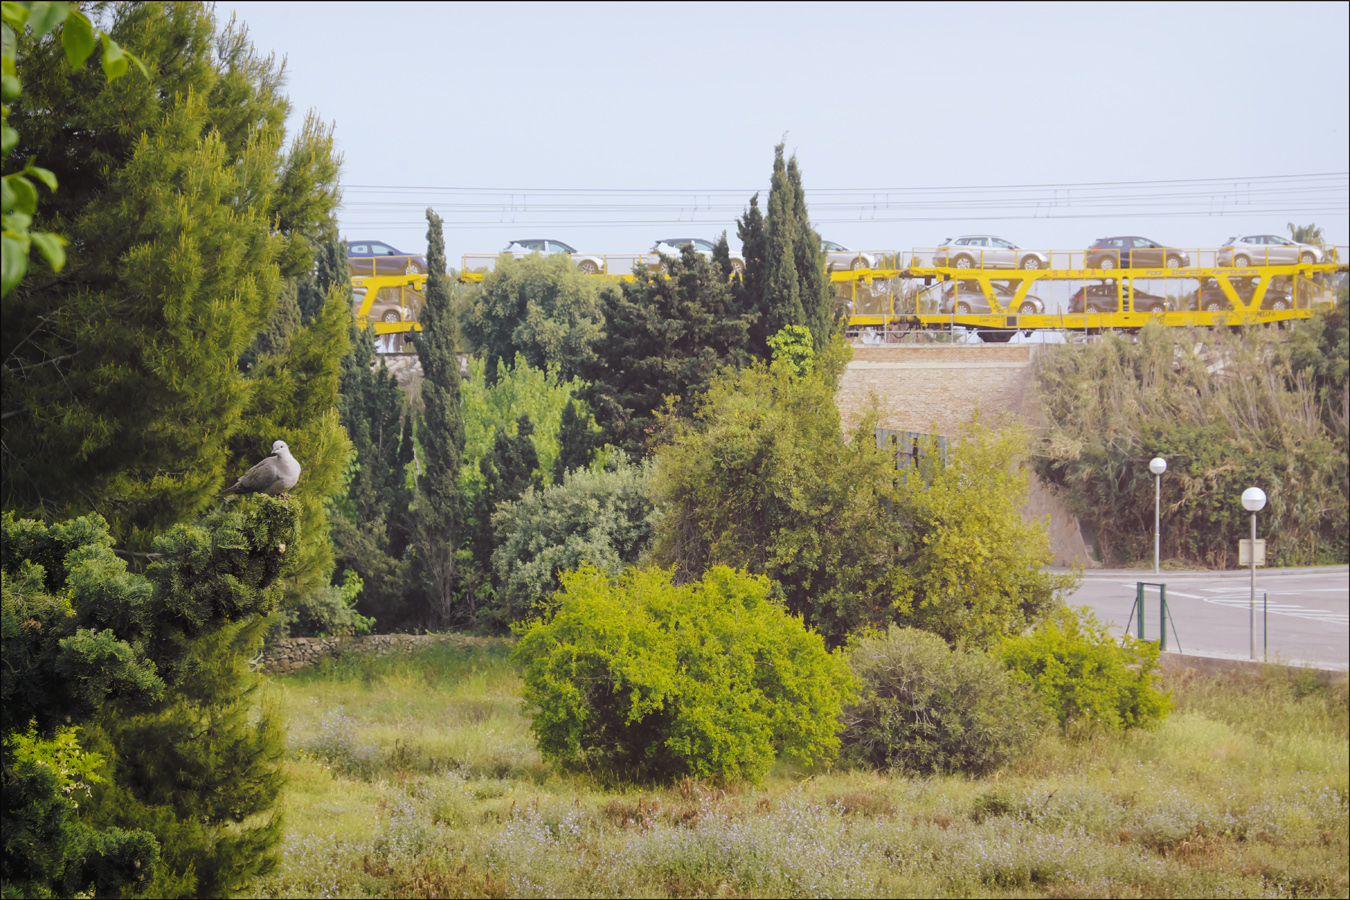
642,678
1084,677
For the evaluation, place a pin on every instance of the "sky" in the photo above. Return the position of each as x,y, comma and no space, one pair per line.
609,126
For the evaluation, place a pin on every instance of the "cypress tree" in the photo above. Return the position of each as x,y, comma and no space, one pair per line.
330,271
441,432
785,279
576,441
508,470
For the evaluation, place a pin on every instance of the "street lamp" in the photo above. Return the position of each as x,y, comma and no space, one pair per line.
1253,500
1157,467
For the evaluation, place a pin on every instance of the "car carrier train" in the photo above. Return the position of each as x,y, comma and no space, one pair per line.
974,283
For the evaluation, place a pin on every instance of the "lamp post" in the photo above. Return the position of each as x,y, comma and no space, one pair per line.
1253,500
1157,467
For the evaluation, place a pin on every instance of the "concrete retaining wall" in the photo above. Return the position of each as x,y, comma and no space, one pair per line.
1178,663
935,388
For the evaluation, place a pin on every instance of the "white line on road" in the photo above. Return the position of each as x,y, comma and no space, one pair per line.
1286,609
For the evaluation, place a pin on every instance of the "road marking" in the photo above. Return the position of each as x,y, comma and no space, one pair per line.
1286,609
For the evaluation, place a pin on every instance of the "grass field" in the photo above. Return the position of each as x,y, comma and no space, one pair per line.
417,777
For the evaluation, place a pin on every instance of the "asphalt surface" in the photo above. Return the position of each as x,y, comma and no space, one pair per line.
1308,619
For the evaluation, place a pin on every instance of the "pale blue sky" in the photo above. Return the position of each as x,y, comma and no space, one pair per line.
675,109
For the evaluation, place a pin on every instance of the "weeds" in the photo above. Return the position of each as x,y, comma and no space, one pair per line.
416,777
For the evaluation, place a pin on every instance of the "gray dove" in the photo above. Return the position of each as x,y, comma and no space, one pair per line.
276,474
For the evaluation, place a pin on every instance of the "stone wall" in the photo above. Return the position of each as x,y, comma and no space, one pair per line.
934,388
290,654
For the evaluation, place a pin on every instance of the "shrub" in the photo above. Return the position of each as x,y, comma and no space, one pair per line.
1084,678
603,519
642,678
929,709
1226,411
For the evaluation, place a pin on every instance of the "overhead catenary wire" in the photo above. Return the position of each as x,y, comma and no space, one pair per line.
464,207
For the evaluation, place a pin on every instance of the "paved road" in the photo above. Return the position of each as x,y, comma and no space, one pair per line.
1309,618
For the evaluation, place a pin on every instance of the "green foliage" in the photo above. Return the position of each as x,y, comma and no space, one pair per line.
577,439
79,39
927,709
970,568
294,396
330,610
796,287
665,336
1084,678
646,679
154,669
792,348
519,390
121,391
1306,234
540,308
440,518
372,524
1227,411
760,478
603,519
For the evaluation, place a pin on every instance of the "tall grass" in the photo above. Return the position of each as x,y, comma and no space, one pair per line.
415,776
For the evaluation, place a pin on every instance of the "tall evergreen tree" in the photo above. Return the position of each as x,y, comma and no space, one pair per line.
785,279
121,392
330,271
441,432
508,470
576,442
665,336
370,524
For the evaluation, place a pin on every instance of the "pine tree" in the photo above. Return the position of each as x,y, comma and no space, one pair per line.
121,392
294,398
330,271
441,432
